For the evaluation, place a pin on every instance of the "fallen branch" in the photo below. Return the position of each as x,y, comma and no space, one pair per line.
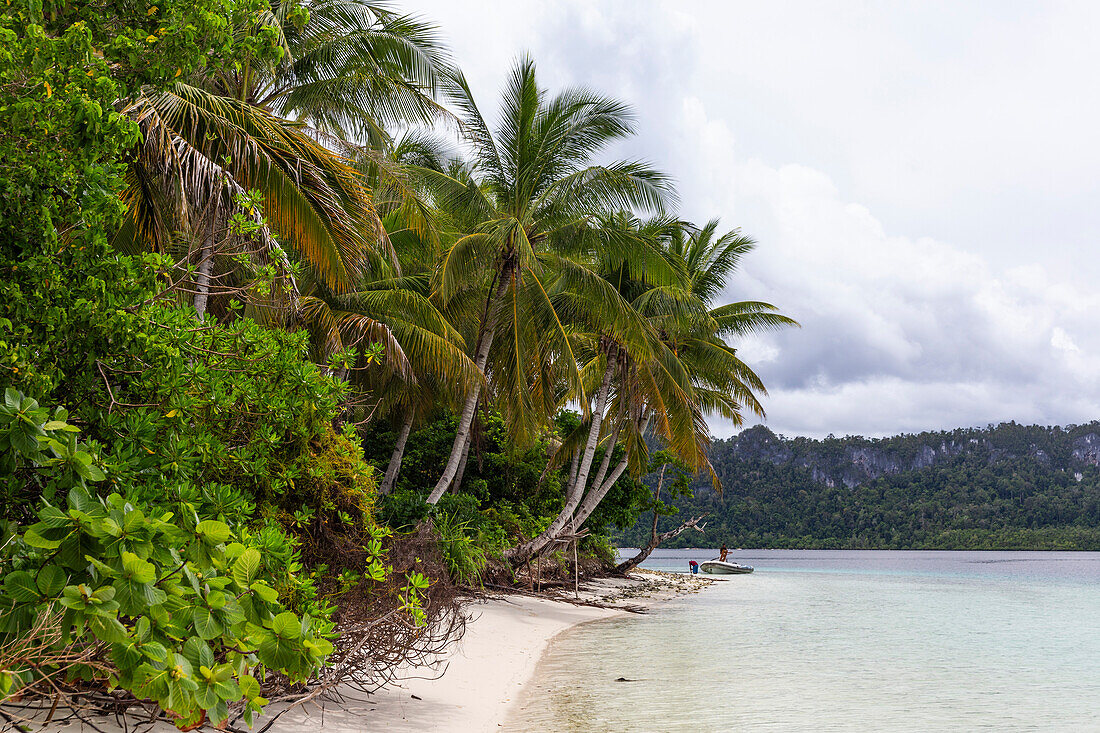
657,539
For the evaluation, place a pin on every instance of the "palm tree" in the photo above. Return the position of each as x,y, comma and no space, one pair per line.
611,351
348,68
200,152
424,362
686,374
535,192
628,258
352,68
413,226
694,341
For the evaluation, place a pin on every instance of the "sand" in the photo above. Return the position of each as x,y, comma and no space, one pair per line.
477,684
483,676
486,672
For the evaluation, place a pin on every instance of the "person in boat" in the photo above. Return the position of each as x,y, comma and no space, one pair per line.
722,553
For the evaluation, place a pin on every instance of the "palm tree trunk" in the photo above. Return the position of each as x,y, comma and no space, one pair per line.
457,483
394,466
610,450
574,466
576,490
596,495
205,265
593,431
466,419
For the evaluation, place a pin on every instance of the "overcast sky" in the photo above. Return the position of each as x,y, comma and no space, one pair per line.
921,177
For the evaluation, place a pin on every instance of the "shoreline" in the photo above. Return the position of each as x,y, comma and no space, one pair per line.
478,684
486,672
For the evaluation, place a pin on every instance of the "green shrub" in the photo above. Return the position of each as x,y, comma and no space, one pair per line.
466,558
171,607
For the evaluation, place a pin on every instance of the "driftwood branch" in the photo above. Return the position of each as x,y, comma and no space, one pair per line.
657,539
692,523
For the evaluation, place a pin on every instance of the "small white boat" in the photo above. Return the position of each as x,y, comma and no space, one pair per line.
717,567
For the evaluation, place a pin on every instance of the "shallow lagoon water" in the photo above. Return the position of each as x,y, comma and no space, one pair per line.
841,641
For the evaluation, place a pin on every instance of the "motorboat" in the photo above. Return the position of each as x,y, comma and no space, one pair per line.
720,567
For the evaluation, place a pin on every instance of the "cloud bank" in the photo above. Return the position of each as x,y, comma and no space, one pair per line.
927,227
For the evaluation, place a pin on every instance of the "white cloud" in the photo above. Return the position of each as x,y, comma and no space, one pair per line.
920,178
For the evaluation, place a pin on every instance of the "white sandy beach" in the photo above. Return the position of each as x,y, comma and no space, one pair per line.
480,680
486,672
483,676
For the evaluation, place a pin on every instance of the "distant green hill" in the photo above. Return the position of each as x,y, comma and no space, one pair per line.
1003,487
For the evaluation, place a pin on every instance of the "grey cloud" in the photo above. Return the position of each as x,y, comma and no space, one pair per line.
922,191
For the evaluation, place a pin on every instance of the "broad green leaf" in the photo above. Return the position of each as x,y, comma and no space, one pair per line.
276,653
34,539
198,652
250,688
20,585
73,597
320,647
246,567
137,598
154,650
51,580
286,625
133,521
102,568
104,593
206,626
207,696
228,690
24,439
213,532
107,628
136,569
84,466
52,517
264,591
219,714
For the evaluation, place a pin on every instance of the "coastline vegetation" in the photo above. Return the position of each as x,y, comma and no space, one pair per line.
1005,487
297,342
284,359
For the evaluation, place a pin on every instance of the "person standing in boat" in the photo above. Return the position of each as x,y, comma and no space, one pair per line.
723,552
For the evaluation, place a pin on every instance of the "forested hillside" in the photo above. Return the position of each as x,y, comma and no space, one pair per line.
1007,487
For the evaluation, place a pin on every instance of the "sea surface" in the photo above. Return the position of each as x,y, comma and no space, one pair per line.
840,641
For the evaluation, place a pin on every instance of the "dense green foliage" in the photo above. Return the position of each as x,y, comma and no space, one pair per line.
223,280
1004,487
189,609
504,493
157,553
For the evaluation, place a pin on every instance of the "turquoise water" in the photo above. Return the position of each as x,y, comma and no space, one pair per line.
841,641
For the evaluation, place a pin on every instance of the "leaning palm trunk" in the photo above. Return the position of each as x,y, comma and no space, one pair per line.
593,498
655,541
605,464
466,420
457,483
394,466
576,488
